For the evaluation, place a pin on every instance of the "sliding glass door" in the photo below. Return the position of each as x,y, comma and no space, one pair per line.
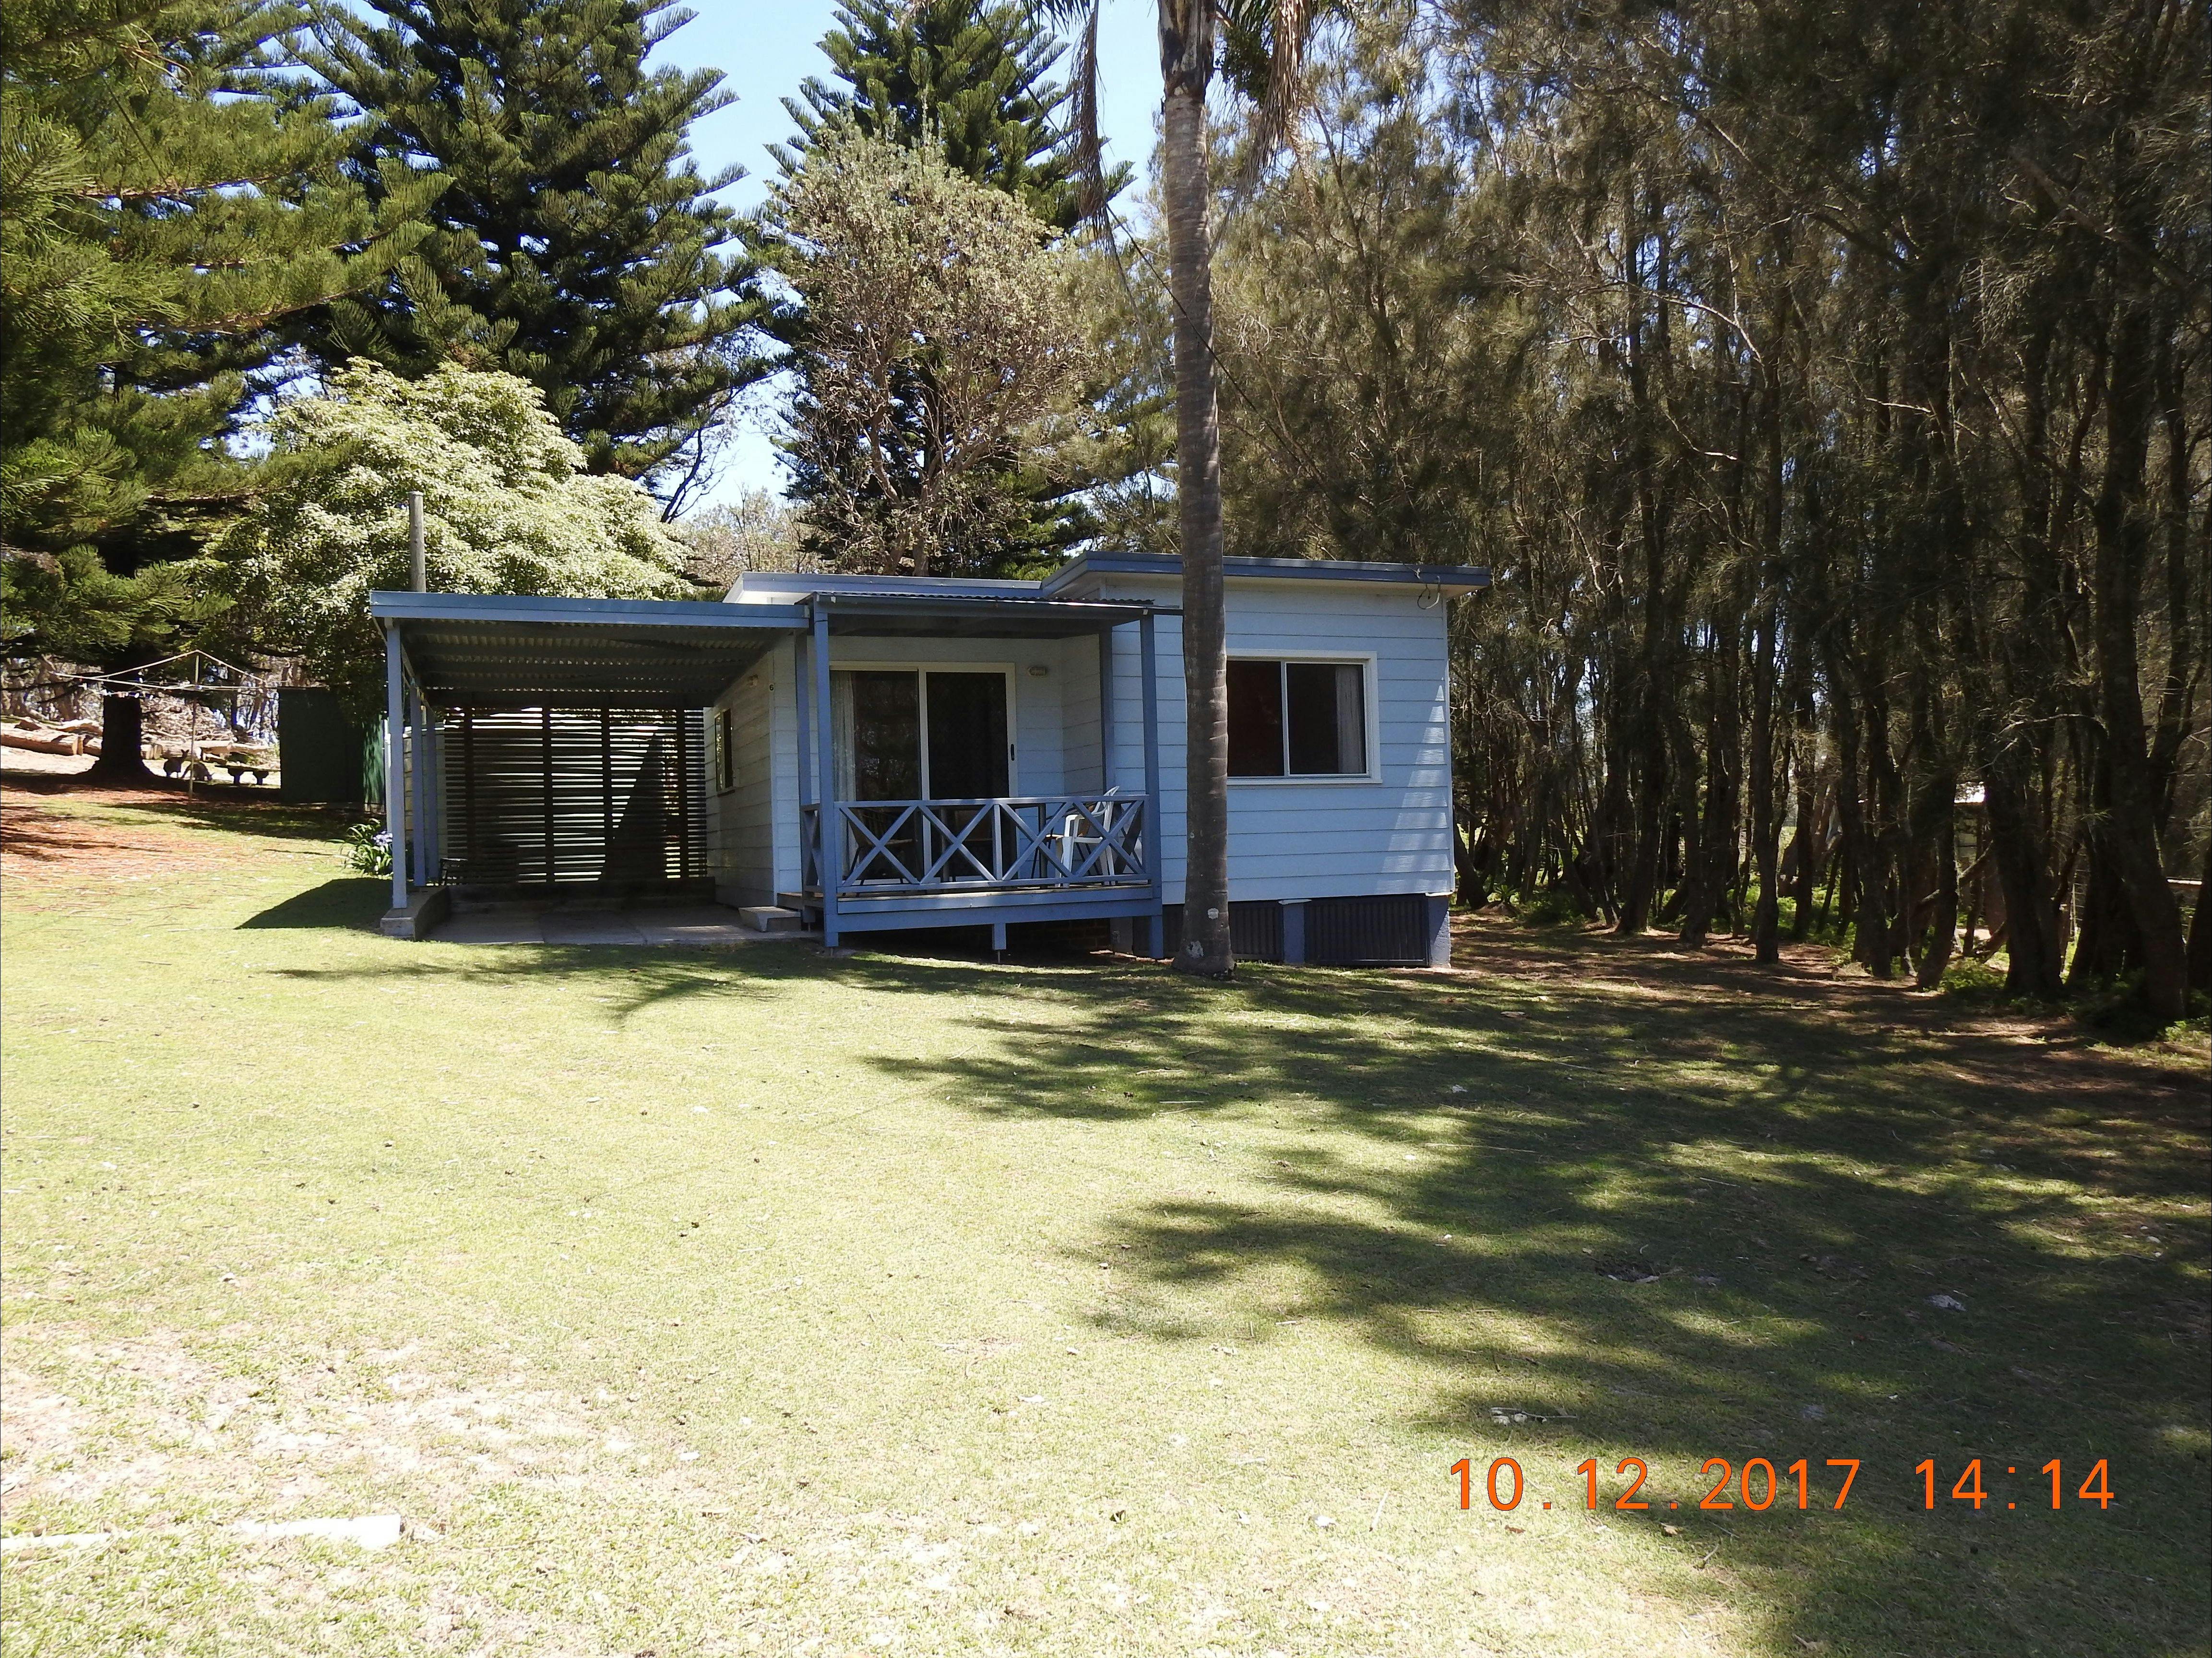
924,734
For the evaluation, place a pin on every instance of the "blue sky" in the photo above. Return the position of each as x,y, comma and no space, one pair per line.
765,48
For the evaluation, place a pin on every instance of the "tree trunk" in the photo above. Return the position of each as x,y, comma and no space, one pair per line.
2123,535
122,742
1942,936
1766,819
1711,856
1765,814
1808,845
1186,67
1885,866
2036,952
2200,925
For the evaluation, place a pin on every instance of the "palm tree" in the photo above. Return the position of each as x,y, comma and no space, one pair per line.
1258,47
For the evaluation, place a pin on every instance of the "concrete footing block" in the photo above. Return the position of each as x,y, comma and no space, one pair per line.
415,919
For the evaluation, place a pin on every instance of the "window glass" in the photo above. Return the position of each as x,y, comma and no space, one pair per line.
725,773
1255,718
968,752
1296,720
1327,719
904,733
885,748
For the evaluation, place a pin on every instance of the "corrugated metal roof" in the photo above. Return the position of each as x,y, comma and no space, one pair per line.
501,650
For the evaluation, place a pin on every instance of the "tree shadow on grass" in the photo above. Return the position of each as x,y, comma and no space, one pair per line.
643,975
348,903
1699,1214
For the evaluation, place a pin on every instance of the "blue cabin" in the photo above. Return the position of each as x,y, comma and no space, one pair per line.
867,754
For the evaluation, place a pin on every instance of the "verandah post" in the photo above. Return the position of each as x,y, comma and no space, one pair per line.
1105,710
1155,817
825,812
395,764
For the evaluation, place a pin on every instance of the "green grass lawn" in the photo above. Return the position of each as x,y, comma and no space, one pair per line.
758,1300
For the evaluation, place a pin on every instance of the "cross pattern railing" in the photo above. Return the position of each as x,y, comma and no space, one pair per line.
1047,842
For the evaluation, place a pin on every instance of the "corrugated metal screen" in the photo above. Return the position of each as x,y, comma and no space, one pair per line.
574,797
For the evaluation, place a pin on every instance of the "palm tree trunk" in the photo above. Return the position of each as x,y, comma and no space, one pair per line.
1185,66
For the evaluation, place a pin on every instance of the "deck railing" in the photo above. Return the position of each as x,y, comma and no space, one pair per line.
1036,842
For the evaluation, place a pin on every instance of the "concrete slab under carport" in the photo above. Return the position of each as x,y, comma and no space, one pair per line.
702,926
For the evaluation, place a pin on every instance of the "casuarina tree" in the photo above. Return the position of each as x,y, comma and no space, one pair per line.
941,335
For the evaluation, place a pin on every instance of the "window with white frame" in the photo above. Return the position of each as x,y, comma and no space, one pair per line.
1290,719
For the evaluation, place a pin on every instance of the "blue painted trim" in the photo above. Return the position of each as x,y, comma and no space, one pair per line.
996,909
1464,578
1294,932
1155,837
865,903
826,825
395,765
529,608
1439,921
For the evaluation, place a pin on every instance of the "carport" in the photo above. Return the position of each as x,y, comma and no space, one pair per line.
577,727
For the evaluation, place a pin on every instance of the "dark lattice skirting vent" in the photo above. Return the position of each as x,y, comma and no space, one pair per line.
1255,931
613,799
1380,931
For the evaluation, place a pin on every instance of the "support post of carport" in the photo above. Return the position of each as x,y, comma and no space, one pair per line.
1156,819
395,763
418,796
825,811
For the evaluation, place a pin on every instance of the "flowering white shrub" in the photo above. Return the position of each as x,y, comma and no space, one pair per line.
507,508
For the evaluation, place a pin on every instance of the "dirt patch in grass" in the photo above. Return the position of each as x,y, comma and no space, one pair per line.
164,1421
44,849
60,834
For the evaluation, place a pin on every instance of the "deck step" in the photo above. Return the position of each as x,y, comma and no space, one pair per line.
771,918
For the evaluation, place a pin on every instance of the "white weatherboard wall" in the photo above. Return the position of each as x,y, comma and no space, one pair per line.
755,846
1322,838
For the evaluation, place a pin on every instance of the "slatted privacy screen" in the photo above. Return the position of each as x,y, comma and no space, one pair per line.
574,797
